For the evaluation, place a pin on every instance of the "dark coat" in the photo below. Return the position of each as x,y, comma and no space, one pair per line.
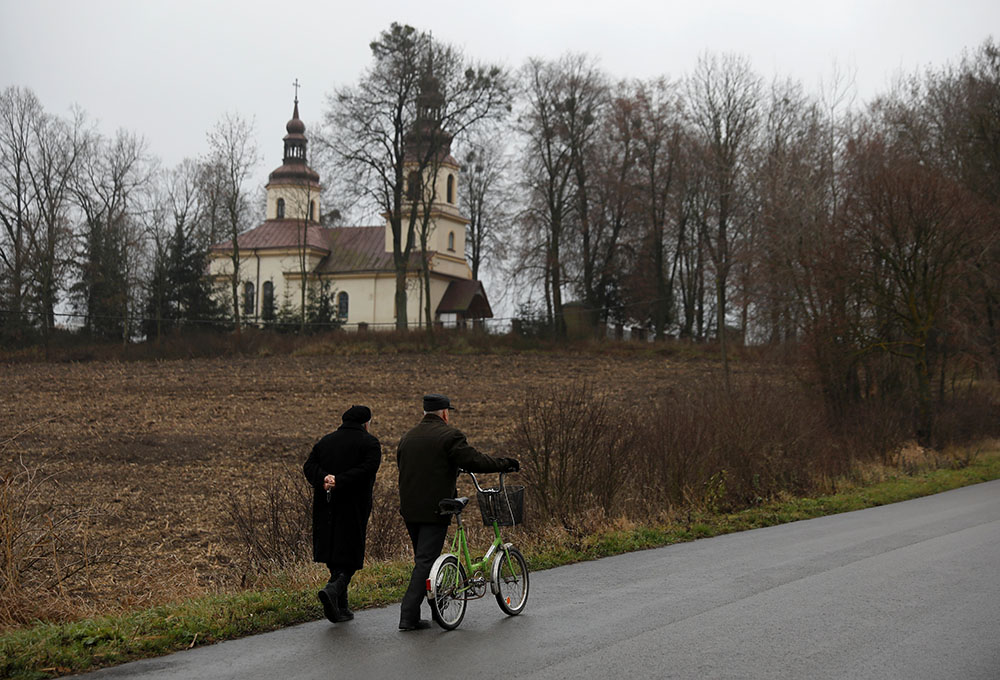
353,456
428,458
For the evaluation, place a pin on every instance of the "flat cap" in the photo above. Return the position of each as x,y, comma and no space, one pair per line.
437,402
357,414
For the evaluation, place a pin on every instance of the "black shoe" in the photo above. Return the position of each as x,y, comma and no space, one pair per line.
345,612
421,624
330,596
330,609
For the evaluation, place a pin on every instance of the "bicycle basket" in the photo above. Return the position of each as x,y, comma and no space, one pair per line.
506,507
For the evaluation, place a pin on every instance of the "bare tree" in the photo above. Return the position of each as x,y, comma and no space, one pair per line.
919,228
962,106
301,206
379,130
724,96
19,111
232,159
155,220
593,132
789,186
485,188
560,117
659,137
689,256
59,146
113,173
812,261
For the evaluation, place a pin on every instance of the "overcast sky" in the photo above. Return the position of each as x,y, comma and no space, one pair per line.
169,69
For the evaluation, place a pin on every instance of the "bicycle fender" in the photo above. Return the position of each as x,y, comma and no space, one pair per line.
432,576
495,567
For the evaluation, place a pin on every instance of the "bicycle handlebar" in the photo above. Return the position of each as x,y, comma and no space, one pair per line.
475,481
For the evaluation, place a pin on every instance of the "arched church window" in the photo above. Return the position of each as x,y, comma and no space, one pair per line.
281,208
451,241
248,299
451,188
413,186
312,211
267,301
342,304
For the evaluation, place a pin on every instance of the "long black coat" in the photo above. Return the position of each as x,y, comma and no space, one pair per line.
353,456
429,457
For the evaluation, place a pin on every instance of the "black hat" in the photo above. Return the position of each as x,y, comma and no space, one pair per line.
437,402
357,414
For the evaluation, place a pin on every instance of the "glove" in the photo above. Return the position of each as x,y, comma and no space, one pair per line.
511,465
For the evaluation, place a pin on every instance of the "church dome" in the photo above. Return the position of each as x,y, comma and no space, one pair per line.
295,126
293,170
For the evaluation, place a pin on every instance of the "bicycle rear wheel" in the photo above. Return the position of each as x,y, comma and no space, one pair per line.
448,607
510,574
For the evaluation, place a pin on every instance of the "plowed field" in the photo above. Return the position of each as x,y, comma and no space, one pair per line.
158,448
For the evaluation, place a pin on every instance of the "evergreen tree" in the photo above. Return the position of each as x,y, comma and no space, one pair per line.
321,310
191,290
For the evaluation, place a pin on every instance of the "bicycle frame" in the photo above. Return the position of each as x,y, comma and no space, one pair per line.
460,550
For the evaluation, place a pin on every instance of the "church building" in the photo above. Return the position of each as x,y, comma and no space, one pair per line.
355,262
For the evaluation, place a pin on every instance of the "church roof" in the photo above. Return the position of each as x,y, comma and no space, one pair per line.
349,249
359,249
279,234
295,174
466,297
295,126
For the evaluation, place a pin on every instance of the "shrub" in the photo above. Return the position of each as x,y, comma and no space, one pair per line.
967,417
699,445
571,448
273,524
876,429
387,536
44,546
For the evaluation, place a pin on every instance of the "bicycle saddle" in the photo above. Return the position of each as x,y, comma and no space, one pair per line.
452,506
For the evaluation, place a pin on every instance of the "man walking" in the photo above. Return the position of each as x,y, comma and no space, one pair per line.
429,457
341,469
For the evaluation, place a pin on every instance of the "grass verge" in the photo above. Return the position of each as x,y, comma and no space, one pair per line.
50,650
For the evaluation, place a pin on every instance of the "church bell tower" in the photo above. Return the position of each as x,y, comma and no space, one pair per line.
293,188
427,142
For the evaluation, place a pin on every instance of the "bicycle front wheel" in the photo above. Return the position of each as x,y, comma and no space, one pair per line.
448,607
511,578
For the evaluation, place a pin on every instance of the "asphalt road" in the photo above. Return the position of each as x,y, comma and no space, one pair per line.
910,590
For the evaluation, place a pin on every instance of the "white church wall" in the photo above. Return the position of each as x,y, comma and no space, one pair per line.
371,296
257,269
450,266
446,218
296,201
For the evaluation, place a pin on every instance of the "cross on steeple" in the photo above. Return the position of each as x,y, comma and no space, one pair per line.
296,86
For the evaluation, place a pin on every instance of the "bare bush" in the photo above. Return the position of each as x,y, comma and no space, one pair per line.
677,445
877,429
702,444
724,448
44,546
387,537
570,446
273,524
967,417
770,438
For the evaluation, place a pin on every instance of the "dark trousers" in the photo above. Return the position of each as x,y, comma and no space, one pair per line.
428,540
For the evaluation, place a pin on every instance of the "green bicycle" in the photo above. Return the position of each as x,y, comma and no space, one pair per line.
455,579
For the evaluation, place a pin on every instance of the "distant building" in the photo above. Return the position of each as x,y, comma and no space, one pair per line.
356,262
